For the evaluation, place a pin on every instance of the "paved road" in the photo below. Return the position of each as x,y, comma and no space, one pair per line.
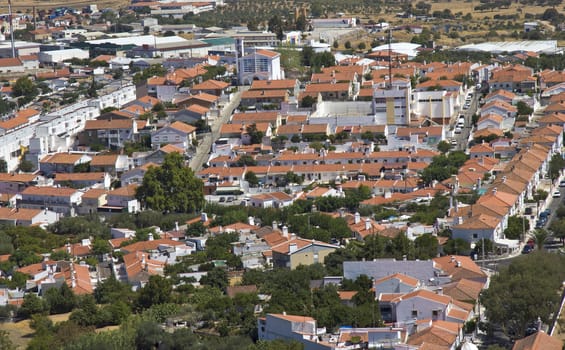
203,149
463,137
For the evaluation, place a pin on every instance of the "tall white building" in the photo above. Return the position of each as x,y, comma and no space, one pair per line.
259,65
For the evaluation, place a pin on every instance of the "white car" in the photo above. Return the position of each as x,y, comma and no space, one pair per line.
457,130
556,194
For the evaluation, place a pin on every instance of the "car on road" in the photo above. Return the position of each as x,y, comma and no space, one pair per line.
562,183
556,194
453,142
457,130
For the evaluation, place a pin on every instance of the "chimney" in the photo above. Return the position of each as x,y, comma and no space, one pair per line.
143,262
274,225
368,224
292,247
494,190
69,248
452,259
357,218
439,291
504,179
251,221
285,231
150,236
73,281
203,217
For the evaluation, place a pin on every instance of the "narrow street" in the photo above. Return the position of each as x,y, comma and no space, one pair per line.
203,149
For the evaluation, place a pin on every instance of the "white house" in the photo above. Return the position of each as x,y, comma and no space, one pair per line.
260,65
62,200
177,133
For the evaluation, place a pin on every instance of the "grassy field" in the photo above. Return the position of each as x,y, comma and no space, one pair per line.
21,333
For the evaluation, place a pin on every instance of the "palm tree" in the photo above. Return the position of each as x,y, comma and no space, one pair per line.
540,236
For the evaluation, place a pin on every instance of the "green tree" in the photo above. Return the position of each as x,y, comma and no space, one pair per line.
517,226
307,101
523,291
196,229
24,87
33,305
556,164
301,23
3,166
157,291
217,277
60,300
172,187
523,108
251,178
426,246
25,166
111,290
457,246
443,146
540,236
557,228
255,135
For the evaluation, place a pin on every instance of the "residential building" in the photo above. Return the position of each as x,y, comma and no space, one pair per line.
538,341
110,133
260,65
27,217
290,254
62,200
178,134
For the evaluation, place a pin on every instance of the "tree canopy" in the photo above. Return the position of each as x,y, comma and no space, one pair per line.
172,187
523,291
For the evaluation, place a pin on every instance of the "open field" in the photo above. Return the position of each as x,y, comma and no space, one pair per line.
21,333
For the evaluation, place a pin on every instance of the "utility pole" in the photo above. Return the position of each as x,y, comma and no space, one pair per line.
390,57
11,28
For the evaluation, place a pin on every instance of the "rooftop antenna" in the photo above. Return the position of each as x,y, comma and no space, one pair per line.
390,57
11,28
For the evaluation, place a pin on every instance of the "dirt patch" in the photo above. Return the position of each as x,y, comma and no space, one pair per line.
21,333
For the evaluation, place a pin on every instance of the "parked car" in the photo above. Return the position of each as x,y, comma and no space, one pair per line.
527,249
562,183
556,194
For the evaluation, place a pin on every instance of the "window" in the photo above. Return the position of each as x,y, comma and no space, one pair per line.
475,236
436,313
414,313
